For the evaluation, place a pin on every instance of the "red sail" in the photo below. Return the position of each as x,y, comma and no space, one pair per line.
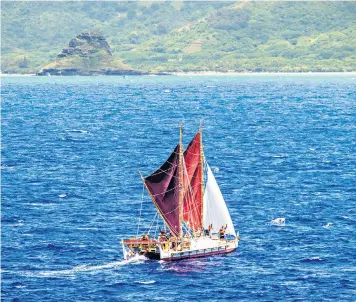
163,186
192,202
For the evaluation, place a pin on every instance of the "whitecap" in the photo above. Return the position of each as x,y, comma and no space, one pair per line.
36,204
290,283
62,195
328,225
87,229
280,156
146,282
78,131
20,286
313,259
19,223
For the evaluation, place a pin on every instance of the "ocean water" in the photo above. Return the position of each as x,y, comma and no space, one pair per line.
280,146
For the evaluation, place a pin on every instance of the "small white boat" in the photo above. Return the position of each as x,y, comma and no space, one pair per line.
190,203
279,222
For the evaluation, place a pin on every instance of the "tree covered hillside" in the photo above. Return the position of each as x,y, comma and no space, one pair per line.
187,36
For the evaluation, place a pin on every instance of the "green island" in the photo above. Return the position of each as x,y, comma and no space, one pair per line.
176,36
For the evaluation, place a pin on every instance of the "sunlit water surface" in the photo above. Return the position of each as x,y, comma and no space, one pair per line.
280,146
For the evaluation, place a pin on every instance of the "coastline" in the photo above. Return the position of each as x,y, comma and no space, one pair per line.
214,73
217,73
17,74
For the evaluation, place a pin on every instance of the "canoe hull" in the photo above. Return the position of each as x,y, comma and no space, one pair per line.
197,248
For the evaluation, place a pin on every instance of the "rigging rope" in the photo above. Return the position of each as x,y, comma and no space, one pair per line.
154,236
151,224
139,218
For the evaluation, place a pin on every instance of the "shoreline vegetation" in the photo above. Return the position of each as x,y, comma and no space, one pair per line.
208,73
215,73
105,38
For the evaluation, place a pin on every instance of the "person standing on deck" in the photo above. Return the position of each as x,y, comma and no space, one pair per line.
222,232
210,230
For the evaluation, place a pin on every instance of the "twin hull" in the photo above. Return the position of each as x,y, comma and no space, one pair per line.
189,248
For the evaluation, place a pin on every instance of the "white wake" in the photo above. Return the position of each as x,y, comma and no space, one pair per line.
88,268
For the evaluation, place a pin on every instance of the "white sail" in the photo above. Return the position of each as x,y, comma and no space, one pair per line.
215,209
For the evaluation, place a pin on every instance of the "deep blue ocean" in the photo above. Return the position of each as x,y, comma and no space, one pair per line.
280,146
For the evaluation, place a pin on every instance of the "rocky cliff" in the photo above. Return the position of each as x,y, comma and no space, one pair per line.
87,54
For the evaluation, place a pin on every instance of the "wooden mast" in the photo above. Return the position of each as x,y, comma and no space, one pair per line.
202,172
181,187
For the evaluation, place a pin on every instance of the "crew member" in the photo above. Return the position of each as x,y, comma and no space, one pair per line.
222,232
162,236
210,229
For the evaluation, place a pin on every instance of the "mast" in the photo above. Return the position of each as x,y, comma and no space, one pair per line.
202,172
181,186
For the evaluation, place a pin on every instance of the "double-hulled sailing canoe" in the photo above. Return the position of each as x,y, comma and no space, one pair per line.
190,203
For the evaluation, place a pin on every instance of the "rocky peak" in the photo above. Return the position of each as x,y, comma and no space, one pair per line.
87,54
86,43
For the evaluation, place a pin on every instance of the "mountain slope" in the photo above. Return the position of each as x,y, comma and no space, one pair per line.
187,36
